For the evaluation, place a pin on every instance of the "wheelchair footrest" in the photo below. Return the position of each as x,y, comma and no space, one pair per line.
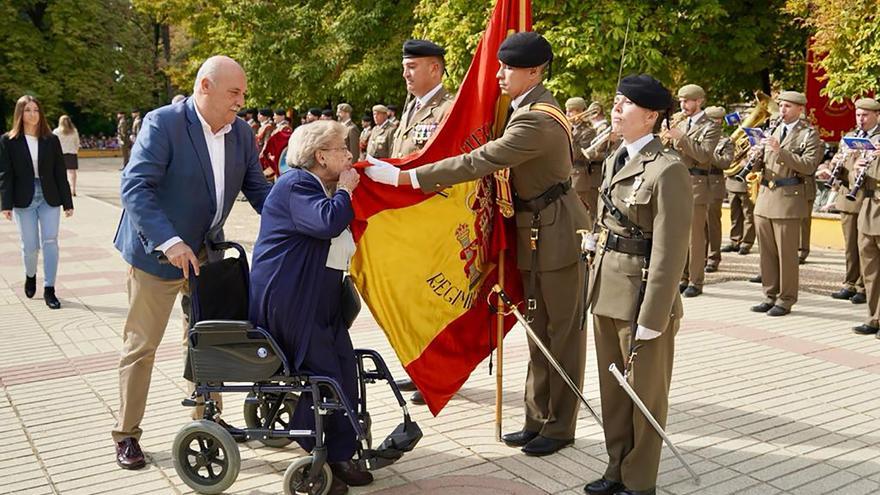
403,439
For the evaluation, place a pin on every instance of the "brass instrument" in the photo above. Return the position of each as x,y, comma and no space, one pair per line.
678,118
583,116
764,108
597,142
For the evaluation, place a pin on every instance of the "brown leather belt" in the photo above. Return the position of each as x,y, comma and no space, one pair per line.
788,181
698,171
626,245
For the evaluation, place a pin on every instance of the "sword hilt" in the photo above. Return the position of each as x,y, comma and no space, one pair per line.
503,295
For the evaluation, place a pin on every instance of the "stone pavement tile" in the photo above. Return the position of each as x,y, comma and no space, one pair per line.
806,475
784,468
869,468
27,488
708,482
527,471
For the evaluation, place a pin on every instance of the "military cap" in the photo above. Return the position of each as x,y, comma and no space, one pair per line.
595,107
525,49
265,112
392,108
315,111
327,112
868,104
343,107
576,103
795,97
380,109
422,48
691,92
646,92
715,112
280,111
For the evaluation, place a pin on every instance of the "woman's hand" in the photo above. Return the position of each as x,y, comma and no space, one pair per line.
68,213
7,214
349,179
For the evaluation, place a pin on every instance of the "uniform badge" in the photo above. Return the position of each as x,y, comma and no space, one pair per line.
631,199
423,132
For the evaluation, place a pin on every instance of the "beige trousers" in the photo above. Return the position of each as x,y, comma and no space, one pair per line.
869,254
695,270
853,280
742,219
779,259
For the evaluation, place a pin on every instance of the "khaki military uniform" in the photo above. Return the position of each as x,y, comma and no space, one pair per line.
135,129
721,159
807,222
648,190
582,134
417,126
594,159
352,138
381,140
124,139
537,150
780,209
869,240
697,149
849,213
363,141
742,214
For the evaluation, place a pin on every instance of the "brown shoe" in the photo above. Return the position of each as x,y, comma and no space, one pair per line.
350,473
129,454
337,487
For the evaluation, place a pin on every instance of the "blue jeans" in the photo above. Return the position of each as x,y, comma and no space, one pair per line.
38,227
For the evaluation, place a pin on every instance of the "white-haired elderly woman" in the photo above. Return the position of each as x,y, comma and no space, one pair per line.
302,251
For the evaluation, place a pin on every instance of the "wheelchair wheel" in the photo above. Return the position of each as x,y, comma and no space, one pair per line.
206,457
297,474
255,412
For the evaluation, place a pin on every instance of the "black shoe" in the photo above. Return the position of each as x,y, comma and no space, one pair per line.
49,297
603,487
237,434
129,454
762,308
778,311
859,298
350,473
865,329
692,291
756,279
405,385
711,268
682,286
417,399
802,260
627,491
30,286
744,250
844,293
518,438
728,248
540,446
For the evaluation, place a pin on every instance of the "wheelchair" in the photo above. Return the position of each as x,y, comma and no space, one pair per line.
226,353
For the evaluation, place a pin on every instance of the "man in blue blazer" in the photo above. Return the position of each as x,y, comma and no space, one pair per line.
186,169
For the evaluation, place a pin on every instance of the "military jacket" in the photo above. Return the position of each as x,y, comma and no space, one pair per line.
869,216
352,138
381,138
721,158
414,131
697,148
799,155
648,190
582,134
847,175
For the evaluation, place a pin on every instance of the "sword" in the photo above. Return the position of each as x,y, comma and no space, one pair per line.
531,333
642,407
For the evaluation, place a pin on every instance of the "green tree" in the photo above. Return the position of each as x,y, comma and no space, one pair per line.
848,33
77,57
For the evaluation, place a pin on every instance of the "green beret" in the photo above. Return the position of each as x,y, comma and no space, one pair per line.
525,49
576,103
715,112
868,104
691,92
793,97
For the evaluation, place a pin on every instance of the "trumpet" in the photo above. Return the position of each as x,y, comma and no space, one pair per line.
597,142
583,116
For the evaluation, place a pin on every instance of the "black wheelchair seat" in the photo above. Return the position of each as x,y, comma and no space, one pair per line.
234,351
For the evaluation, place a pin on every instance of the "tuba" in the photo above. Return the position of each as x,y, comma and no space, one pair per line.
763,110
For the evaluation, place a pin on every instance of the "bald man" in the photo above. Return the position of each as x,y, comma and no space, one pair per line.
188,165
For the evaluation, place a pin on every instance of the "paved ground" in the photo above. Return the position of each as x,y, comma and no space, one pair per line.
758,405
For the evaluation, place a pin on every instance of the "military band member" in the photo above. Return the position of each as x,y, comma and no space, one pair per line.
423,67
352,137
742,216
382,134
648,227
869,238
582,134
602,145
867,120
695,138
721,158
535,146
791,153
807,221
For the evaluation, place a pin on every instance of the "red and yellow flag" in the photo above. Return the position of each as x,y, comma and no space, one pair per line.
425,263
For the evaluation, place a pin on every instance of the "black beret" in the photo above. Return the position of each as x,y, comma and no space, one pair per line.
646,92
393,108
327,112
280,111
422,48
315,111
525,49
266,112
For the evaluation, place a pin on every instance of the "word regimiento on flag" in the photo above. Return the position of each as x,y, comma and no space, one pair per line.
425,262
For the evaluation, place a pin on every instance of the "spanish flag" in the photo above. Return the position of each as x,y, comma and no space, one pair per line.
425,262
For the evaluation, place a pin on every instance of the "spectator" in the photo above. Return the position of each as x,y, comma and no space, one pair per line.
364,140
135,125
327,114
69,138
34,188
267,127
123,135
313,115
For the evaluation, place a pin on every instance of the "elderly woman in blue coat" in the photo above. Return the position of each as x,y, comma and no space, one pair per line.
301,254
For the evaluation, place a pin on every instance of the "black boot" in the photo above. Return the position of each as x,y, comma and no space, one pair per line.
30,286
49,297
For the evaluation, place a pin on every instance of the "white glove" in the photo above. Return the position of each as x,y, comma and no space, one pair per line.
588,243
643,333
382,172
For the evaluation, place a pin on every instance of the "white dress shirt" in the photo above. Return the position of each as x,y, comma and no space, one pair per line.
69,142
216,142
425,98
342,246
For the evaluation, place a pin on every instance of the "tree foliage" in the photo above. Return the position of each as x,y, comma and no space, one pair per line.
848,33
